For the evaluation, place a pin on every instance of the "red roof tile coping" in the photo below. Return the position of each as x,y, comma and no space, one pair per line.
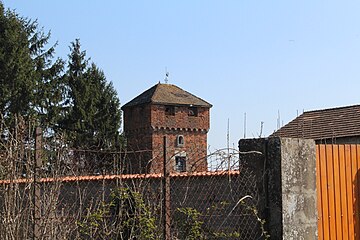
203,174
113,177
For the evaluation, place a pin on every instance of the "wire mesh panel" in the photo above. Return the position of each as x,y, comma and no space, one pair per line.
113,207
63,193
215,205
207,205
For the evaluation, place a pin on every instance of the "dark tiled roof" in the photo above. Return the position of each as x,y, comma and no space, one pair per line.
324,124
167,94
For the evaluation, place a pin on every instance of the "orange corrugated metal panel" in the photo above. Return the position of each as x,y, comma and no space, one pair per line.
337,188
357,201
343,193
319,196
331,190
324,192
349,189
338,181
354,169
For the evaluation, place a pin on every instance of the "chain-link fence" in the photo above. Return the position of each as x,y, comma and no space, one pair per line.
222,205
48,191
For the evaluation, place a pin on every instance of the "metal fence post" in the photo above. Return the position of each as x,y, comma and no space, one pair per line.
36,196
166,195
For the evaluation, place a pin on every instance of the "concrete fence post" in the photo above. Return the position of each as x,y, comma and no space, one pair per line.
286,172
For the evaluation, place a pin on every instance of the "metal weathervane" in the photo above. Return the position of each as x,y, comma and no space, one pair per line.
166,76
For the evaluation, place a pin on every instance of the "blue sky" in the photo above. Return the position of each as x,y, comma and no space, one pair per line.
255,57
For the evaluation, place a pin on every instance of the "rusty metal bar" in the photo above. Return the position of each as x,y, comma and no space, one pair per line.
36,197
166,196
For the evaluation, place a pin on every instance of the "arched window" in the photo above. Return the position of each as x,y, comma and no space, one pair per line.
180,164
180,141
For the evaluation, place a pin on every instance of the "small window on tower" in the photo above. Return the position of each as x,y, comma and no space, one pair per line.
180,164
169,110
193,111
180,141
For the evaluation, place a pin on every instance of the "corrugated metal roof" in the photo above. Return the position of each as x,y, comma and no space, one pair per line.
167,94
324,124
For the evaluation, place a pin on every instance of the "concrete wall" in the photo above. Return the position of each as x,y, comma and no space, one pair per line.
298,170
286,173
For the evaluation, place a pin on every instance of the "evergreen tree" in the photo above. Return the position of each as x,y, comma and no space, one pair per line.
16,69
94,112
77,101
51,88
76,117
107,116
30,84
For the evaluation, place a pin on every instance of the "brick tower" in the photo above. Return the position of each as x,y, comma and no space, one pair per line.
166,110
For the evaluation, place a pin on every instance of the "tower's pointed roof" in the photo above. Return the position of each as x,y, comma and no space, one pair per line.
167,94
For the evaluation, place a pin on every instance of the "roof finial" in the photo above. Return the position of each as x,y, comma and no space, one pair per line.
166,76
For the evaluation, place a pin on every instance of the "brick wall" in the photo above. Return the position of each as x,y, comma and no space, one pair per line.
181,119
137,118
214,196
146,125
194,149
